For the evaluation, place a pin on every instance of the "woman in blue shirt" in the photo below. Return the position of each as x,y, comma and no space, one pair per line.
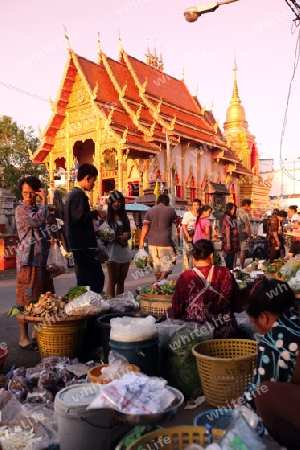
271,309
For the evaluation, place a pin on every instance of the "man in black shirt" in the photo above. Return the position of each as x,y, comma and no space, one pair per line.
80,230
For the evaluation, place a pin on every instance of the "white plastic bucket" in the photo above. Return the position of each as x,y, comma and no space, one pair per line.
79,429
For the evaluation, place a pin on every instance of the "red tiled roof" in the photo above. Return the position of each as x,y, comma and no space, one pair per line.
160,84
173,96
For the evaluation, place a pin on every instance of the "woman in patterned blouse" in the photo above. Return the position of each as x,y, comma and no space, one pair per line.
271,309
32,251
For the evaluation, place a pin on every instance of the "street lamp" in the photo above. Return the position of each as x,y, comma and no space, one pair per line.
192,14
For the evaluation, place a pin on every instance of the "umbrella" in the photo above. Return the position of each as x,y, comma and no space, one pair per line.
136,207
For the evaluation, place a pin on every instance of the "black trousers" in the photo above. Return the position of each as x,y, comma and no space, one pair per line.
89,269
278,404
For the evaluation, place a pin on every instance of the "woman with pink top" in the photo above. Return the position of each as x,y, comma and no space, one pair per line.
203,227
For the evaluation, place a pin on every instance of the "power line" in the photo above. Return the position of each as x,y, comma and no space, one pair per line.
21,91
296,62
295,7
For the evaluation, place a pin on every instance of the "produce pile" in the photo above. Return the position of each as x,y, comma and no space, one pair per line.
290,272
48,305
160,288
275,267
28,421
79,300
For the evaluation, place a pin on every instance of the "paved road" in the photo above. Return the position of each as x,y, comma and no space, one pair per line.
9,330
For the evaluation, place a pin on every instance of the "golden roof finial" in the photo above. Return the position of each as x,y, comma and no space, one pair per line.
99,48
148,54
212,106
182,76
67,38
160,63
120,44
197,90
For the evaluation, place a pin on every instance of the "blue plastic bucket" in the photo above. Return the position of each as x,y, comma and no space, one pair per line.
143,354
216,418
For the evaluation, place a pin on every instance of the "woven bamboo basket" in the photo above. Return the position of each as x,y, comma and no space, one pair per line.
225,367
176,438
155,304
94,373
60,338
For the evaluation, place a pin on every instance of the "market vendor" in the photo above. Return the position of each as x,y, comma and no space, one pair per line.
32,251
271,308
207,293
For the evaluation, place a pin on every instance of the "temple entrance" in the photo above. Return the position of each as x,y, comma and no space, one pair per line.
108,186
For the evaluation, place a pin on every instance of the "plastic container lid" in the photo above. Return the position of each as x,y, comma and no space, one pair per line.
75,399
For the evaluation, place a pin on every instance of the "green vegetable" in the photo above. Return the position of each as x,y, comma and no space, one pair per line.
143,263
14,310
75,291
290,269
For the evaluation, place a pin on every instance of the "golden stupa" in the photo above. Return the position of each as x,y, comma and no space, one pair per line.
243,143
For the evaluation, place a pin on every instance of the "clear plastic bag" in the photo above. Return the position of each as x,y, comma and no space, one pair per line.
88,303
105,233
241,434
56,263
142,260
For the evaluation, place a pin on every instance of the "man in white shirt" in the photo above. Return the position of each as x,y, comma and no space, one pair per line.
188,222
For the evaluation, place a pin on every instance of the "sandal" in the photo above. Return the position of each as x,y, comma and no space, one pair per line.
32,347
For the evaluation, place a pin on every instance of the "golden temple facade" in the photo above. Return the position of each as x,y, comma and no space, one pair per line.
137,124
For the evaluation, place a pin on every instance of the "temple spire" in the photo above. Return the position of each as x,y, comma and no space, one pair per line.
235,95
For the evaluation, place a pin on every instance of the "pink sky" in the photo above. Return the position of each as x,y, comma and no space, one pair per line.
260,33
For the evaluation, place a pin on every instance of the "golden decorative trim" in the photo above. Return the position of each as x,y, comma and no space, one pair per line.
142,89
95,90
138,112
124,135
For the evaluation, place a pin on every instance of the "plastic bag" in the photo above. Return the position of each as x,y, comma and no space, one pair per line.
88,303
105,233
56,263
132,329
240,434
135,393
142,260
177,362
118,365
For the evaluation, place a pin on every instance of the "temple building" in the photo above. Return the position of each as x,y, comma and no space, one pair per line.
139,125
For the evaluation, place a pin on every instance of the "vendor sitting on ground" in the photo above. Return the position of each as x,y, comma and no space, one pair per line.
271,308
207,293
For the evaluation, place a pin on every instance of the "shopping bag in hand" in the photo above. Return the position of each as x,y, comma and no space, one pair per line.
56,263
142,260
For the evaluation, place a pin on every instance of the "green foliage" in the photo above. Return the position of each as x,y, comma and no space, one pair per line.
15,145
75,291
